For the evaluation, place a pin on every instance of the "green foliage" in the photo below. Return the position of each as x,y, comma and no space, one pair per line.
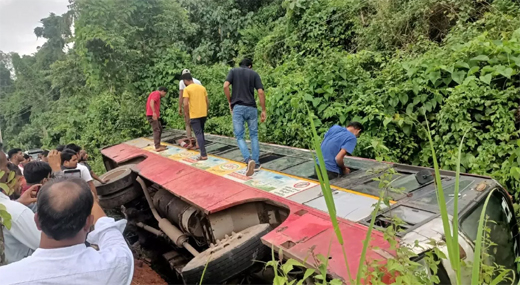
388,64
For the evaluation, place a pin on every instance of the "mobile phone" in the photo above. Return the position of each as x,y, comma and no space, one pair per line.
76,173
35,192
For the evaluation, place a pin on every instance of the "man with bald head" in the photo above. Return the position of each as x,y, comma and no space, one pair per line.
66,211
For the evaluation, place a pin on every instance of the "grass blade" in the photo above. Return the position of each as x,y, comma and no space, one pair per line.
455,223
325,187
442,207
366,242
475,272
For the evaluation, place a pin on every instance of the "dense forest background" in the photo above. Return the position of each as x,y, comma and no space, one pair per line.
391,64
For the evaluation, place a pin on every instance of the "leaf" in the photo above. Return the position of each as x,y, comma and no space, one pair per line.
387,121
316,101
461,64
507,72
434,76
480,58
458,76
448,69
403,97
469,79
473,70
288,266
11,176
409,109
306,275
5,188
407,129
5,217
486,79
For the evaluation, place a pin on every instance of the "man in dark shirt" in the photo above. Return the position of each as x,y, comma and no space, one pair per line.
242,105
338,143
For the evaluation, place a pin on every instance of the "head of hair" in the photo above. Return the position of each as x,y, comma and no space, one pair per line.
356,125
73,146
164,89
60,147
45,153
12,152
14,168
35,171
246,62
187,76
63,207
26,156
67,154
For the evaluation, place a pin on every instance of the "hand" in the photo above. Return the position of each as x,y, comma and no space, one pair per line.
180,112
29,196
105,181
154,117
54,159
230,109
346,170
263,116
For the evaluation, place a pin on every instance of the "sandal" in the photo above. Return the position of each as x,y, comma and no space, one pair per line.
200,158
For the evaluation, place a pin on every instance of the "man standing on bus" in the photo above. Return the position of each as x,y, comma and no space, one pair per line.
196,106
153,107
242,105
338,143
182,86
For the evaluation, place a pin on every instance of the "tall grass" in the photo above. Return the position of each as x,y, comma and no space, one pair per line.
321,172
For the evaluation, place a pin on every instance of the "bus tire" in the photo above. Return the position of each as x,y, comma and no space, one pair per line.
120,178
229,257
115,200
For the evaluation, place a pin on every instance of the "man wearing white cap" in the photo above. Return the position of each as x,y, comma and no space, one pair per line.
181,112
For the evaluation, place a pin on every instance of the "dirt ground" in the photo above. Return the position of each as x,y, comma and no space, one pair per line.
144,275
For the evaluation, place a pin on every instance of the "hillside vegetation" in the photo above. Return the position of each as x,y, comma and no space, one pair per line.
390,64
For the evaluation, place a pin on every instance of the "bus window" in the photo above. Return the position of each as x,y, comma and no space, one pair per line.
499,217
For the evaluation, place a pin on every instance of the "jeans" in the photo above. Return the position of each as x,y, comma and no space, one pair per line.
197,126
241,115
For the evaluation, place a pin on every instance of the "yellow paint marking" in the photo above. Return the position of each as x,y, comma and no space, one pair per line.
217,171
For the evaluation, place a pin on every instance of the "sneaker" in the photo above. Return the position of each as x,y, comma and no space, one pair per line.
250,167
258,167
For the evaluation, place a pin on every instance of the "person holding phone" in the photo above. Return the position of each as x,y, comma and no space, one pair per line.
69,167
36,173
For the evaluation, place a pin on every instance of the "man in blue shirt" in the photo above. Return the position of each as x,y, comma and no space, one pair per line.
338,143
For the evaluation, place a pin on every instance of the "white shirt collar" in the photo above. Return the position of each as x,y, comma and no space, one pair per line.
3,196
59,252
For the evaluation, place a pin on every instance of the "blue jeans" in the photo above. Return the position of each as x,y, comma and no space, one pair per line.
242,114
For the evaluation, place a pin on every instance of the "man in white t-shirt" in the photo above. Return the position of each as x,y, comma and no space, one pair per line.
23,237
181,112
69,161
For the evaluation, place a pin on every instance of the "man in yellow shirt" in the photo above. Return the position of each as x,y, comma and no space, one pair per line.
196,106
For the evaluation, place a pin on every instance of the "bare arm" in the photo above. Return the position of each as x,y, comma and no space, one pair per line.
93,189
226,91
261,96
339,161
181,92
187,106
97,211
96,177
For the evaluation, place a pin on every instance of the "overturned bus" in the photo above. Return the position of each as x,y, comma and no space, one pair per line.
218,219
